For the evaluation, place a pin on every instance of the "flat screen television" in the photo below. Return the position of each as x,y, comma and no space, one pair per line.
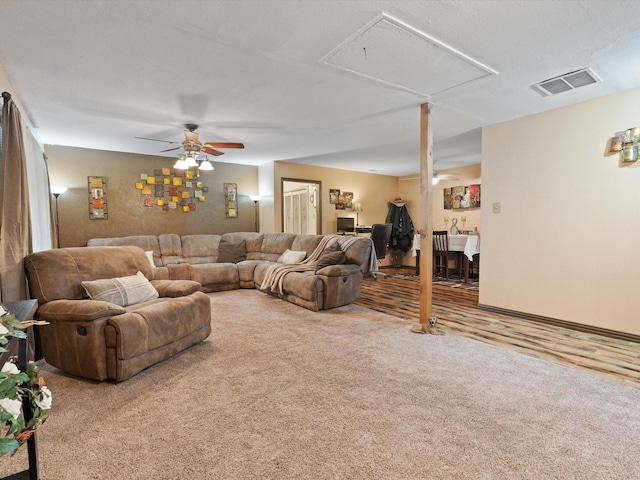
346,224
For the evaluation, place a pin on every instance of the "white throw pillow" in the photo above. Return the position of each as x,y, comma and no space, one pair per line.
121,291
150,257
292,256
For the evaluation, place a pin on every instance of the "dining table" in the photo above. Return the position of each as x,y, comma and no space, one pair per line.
467,244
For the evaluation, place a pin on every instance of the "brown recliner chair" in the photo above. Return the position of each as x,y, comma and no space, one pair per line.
101,340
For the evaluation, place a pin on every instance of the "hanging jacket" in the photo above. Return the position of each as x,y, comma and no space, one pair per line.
402,231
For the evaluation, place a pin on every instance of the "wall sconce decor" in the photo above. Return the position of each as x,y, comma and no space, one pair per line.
97,198
627,142
230,199
180,190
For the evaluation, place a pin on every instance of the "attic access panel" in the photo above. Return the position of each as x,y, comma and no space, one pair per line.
393,52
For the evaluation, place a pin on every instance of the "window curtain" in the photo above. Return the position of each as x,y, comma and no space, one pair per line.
15,221
43,235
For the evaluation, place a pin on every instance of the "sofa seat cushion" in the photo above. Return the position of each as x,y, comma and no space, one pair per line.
216,276
305,285
175,288
246,272
157,323
122,291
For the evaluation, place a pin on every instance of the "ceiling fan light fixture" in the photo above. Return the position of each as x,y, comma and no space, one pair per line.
435,180
181,164
206,165
191,161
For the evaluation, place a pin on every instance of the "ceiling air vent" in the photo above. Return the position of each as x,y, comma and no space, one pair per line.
568,81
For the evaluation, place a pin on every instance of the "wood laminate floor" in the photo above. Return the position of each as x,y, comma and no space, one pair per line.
457,312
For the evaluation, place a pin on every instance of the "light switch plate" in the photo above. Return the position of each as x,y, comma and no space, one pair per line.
496,207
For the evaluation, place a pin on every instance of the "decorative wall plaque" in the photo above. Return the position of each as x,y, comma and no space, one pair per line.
97,198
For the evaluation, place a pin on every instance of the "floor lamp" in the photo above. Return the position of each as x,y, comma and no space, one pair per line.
256,199
57,191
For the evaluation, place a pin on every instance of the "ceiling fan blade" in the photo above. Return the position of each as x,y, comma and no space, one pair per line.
224,145
171,149
156,140
211,151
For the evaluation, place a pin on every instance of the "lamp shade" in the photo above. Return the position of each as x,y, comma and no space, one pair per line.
181,164
191,162
206,165
255,198
58,190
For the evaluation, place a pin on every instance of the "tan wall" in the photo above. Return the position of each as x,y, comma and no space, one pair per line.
409,189
373,191
127,214
565,243
466,176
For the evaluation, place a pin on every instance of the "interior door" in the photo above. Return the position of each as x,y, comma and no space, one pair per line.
301,206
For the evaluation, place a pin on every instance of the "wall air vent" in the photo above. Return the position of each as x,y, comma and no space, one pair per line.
568,81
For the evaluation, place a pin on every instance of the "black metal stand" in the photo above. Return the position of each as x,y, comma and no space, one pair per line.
24,310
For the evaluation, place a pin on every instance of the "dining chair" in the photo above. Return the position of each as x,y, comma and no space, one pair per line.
442,255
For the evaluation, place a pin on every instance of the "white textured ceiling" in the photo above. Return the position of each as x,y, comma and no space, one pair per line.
96,74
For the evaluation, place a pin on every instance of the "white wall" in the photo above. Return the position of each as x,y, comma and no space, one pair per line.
566,243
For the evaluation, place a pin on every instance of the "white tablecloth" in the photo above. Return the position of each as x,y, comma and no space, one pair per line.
469,244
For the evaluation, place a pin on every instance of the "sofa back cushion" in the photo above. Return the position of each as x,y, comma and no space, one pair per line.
58,274
200,248
358,251
145,242
253,243
170,248
306,243
275,244
231,251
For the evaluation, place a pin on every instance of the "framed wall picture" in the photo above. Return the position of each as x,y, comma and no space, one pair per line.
97,188
230,199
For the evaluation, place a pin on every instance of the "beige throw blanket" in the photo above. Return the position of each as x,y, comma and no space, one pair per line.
274,278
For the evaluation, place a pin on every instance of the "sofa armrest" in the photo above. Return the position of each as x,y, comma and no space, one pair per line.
338,270
78,310
175,288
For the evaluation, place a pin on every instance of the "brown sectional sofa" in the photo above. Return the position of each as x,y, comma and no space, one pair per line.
196,258
100,339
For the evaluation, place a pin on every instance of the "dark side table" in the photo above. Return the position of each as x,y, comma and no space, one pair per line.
24,310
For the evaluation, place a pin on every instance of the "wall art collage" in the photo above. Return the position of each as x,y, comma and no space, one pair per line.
172,189
342,201
97,198
462,197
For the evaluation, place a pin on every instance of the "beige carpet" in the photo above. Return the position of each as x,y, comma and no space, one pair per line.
279,392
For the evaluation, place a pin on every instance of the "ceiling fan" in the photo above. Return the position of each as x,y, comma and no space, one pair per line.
192,145
445,176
